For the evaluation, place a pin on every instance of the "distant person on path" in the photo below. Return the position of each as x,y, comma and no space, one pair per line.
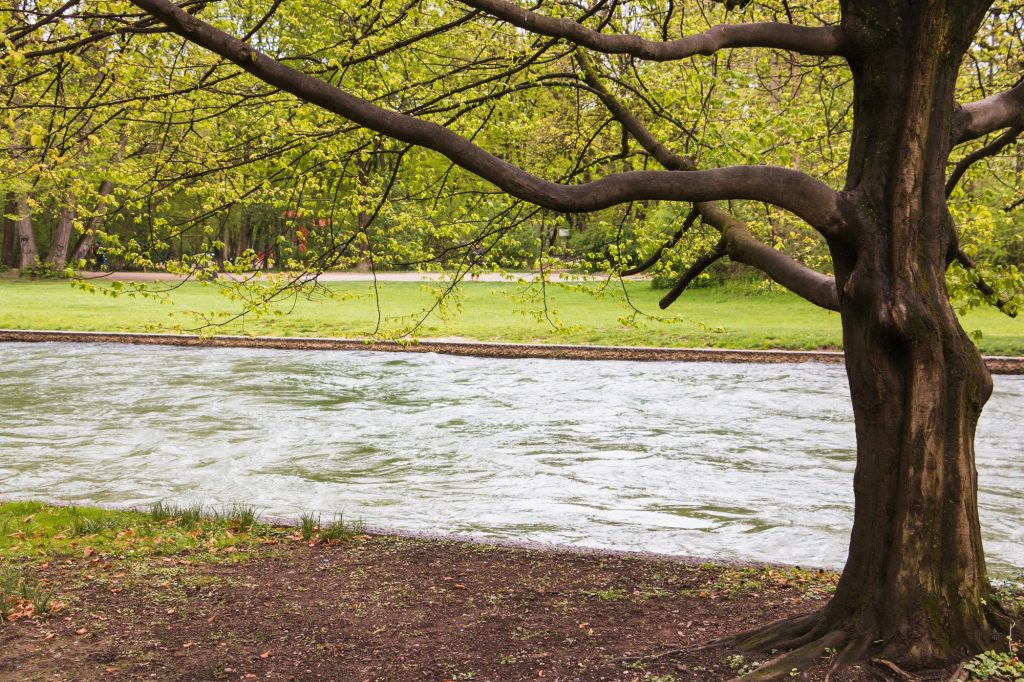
97,258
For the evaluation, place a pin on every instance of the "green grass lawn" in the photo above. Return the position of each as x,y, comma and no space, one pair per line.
728,317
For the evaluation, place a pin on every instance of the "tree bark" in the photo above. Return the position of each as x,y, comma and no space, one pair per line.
10,232
365,263
29,257
85,242
58,253
915,586
244,235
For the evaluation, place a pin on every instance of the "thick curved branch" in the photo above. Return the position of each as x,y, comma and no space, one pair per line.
1002,110
824,41
742,245
811,199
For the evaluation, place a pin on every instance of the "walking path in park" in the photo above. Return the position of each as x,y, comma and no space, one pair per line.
352,276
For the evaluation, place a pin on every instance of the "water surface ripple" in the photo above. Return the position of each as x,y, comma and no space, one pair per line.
717,460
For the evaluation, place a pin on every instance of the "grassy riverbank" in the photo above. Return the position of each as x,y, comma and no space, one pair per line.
729,317
190,594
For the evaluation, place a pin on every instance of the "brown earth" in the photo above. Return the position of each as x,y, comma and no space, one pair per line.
391,608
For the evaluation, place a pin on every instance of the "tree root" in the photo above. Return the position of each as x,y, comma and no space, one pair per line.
895,670
808,641
853,651
807,656
959,675
789,633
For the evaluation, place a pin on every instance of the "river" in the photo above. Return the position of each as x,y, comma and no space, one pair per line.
738,461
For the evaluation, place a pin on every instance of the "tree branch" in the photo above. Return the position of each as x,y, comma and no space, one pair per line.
991,149
984,286
653,259
824,41
702,263
1002,110
743,246
792,190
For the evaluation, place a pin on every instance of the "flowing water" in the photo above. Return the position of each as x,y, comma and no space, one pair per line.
717,460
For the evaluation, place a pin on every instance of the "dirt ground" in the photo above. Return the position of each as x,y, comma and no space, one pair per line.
390,608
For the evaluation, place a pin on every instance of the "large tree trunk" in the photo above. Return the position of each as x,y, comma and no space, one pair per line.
244,235
29,257
58,253
85,242
915,578
365,263
914,589
10,232
88,237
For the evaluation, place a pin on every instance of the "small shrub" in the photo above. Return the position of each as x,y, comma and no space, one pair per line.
996,665
46,271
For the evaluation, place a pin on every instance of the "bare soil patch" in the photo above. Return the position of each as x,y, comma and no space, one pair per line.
392,608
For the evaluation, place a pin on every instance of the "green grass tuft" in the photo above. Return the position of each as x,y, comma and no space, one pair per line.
21,596
242,516
309,523
38,531
340,531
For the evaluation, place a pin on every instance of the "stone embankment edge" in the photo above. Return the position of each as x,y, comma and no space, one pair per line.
996,364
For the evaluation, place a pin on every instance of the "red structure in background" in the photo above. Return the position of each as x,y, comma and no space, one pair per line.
303,226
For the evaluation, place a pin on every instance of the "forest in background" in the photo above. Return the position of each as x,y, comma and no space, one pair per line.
122,146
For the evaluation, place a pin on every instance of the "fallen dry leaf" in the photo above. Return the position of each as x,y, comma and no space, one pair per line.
265,654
